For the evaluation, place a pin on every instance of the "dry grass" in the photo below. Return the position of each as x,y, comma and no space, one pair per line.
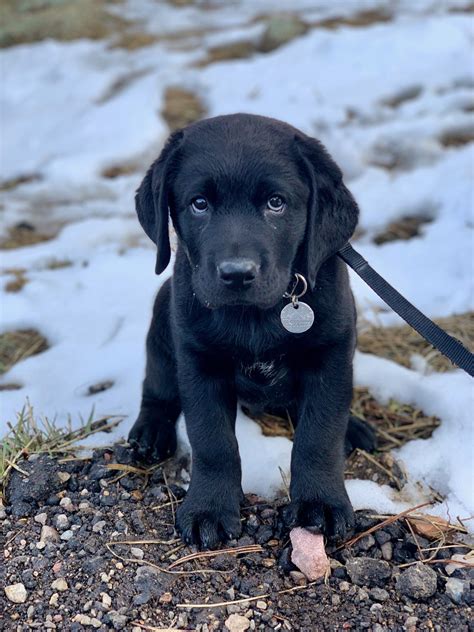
65,20
19,279
394,423
408,94
18,345
12,183
116,171
23,234
358,20
405,228
181,107
133,40
58,264
31,436
400,343
225,52
457,137
272,425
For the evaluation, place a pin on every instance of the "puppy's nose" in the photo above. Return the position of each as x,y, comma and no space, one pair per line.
237,273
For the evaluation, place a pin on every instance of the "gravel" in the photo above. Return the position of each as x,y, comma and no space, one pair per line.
61,574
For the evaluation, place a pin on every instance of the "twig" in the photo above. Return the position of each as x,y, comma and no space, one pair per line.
171,496
153,629
370,458
422,557
376,527
160,568
450,561
16,467
157,507
222,604
132,542
252,548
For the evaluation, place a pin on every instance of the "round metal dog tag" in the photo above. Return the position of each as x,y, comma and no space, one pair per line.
297,318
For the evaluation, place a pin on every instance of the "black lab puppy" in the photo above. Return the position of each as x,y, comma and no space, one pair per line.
253,201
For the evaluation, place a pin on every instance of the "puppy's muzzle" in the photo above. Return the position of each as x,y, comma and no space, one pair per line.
237,274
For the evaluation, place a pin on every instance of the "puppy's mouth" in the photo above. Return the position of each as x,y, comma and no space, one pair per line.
263,295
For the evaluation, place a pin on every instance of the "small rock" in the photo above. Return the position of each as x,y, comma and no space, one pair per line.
106,600
382,536
166,597
97,528
64,476
28,579
457,589
137,552
54,600
41,518
379,594
387,551
57,567
459,561
85,619
309,554
366,542
344,586
364,571
67,535
298,578
418,581
60,584
61,521
48,534
237,623
118,621
410,622
261,605
66,503
16,593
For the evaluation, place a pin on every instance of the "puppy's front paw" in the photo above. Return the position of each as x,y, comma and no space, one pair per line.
205,522
152,439
333,518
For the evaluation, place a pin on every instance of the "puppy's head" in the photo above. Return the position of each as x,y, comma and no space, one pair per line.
252,200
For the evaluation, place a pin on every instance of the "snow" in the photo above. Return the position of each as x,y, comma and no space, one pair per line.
70,110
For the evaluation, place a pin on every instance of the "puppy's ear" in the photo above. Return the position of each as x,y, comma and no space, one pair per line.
151,202
332,211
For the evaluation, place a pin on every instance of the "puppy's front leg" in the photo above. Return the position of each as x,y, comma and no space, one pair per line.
210,511
318,495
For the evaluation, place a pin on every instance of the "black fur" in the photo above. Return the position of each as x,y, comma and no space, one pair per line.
210,344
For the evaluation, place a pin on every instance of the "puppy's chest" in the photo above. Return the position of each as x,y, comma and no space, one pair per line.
263,371
264,380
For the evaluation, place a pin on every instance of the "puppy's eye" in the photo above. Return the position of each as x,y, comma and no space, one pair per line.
199,205
276,204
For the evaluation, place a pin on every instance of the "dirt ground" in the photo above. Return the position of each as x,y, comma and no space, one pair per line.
90,544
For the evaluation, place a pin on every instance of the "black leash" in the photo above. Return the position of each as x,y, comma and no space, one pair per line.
446,344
